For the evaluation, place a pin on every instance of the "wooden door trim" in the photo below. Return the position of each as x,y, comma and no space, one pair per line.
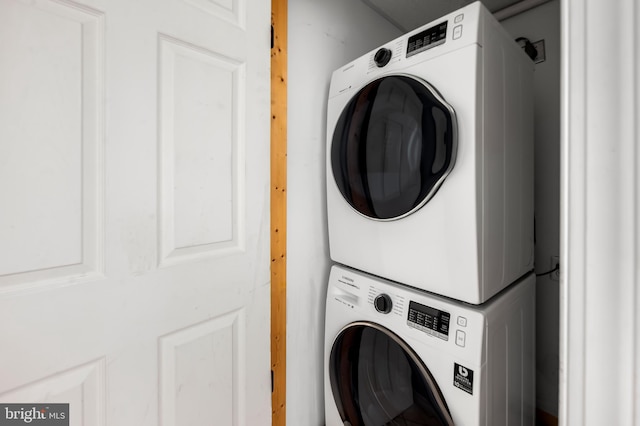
278,210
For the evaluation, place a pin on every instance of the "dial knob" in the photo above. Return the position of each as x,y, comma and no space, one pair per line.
383,303
382,57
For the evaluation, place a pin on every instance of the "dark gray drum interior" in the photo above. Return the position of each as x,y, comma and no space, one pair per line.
392,147
377,380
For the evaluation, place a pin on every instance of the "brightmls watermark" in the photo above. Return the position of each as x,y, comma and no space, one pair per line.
34,414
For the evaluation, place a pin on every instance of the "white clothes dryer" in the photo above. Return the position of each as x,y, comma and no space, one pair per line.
430,159
398,356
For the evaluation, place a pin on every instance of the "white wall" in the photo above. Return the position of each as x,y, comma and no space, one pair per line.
543,22
323,35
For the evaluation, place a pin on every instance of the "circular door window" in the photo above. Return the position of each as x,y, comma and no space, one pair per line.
394,144
377,380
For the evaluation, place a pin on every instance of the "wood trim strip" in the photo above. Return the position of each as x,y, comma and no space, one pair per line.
278,210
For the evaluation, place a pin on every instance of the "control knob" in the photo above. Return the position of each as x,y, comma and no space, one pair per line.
382,57
383,303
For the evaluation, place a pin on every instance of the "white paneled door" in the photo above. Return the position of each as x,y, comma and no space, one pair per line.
134,254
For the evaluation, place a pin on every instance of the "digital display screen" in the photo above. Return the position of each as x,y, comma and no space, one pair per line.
429,319
427,39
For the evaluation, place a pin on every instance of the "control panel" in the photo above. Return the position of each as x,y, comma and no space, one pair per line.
427,39
430,320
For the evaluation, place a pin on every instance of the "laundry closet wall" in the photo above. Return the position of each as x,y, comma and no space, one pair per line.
323,35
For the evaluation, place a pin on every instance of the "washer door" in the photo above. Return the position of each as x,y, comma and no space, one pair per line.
377,379
394,144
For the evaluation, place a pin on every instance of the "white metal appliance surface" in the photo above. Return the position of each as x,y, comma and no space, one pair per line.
430,159
396,355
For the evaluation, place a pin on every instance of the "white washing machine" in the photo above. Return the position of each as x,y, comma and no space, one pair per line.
398,356
430,159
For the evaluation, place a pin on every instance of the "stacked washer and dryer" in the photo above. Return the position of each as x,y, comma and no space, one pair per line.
430,303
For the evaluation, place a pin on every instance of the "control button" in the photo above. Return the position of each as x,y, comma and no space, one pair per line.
458,18
383,303
382,57
457,32
461,338
462,321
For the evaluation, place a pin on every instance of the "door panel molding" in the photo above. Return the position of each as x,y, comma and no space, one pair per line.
600,221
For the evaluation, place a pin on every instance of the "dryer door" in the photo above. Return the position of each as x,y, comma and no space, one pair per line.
393,145
377,379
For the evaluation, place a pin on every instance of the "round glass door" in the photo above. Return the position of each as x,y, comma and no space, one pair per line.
377,380
394,144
